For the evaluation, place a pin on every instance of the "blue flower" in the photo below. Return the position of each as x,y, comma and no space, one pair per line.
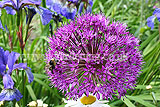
54,5
89,8
30,13
13,6
10,94
62,8
1,26
150,20
80,7
45,14
17,4
68,13
73,1
7,62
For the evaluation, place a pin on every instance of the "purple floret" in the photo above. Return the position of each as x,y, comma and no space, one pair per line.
101,57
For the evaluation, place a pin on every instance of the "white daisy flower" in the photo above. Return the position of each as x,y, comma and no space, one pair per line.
38,103
148,87
85,101
32,104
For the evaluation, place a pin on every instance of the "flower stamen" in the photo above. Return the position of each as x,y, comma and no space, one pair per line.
88,100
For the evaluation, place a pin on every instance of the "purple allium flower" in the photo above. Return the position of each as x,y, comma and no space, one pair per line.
10,94
150,20
94,56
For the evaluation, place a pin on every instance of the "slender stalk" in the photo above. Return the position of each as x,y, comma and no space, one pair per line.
27,28
23,102
18,18
4,39
44,3
159,31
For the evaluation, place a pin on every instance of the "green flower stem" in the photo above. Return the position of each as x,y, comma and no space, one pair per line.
44,3
154,99
27,29
159,31
4,39
18,18
23,84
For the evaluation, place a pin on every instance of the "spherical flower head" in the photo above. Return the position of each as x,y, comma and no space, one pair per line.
94,56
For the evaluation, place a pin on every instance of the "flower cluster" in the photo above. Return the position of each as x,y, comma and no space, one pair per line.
68,8
62,7
14,6
107,74
7,65
56,8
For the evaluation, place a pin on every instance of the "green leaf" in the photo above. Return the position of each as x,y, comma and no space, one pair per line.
141,101
60,106
46,86
101,6
140,87
128,102
33,45
112,8
31,92
147,41
40,76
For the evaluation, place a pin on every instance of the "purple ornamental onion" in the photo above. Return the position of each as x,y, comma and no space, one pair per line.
94,56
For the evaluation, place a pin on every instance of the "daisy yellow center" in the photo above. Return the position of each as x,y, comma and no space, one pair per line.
88,100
